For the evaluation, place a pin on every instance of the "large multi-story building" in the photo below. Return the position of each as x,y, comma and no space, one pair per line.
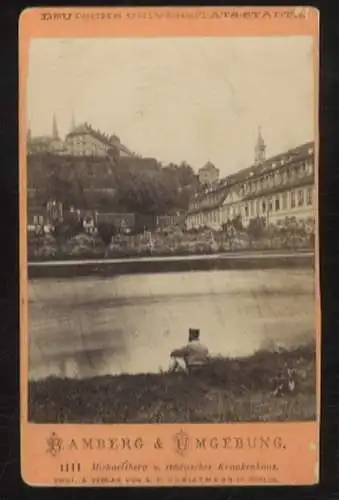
275,189
83,140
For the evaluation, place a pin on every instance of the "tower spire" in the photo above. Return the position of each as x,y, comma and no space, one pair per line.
260,139
72,122
260,148
55,133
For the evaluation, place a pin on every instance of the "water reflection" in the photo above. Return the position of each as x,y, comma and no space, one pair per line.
89,326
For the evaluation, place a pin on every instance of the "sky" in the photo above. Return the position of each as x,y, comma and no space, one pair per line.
178,99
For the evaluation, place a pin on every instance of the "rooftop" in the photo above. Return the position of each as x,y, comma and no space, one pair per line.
273,162
208,166
112,140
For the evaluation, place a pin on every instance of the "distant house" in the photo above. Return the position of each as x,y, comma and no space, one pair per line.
88,224
43,214
36,216
122,221
176,219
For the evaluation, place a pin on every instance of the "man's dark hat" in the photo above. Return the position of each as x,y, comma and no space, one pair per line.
194,333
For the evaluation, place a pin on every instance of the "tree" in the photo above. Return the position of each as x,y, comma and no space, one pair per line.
69,227
106,232
230,232
147,188
237,223
256,228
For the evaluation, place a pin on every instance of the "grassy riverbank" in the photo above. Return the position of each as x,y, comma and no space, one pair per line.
231,390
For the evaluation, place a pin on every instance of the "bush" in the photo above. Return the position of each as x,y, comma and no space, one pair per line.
107,242
256,228
63,232
106,232
45,251
82,251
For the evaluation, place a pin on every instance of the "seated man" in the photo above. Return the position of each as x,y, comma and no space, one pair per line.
194,354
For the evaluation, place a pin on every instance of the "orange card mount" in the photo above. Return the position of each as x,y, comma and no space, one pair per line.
170,309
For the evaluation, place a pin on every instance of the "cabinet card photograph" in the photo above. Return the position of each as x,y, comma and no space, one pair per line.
169,288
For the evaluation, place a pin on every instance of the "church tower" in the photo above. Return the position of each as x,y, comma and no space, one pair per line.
260,149
55,133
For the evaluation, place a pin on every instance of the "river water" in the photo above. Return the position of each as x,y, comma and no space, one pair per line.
82,327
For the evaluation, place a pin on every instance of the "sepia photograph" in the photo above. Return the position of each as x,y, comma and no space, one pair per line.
171,229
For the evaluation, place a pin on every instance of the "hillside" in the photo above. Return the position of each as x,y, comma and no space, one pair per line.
135,184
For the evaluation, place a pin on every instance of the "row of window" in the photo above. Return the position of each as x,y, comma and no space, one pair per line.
212,199
38,220
87,152
296,198
274,179
83,147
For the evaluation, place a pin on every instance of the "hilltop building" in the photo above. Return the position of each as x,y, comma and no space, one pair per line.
84,140
83,162
277,188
